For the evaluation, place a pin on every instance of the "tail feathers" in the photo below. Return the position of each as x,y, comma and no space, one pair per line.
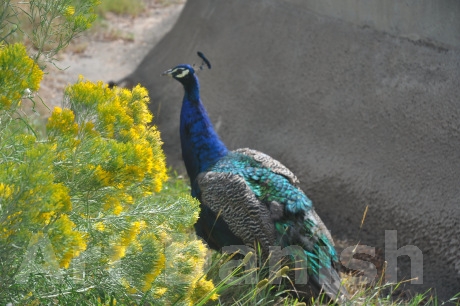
314,275
329,283
329,286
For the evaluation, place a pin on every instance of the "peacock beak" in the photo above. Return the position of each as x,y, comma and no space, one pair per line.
167,72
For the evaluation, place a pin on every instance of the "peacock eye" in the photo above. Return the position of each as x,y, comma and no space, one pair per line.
181,72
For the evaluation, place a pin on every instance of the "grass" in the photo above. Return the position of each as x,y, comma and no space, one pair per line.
247,287
245,284
121,7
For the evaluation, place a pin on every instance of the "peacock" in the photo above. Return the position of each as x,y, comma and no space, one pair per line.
247,197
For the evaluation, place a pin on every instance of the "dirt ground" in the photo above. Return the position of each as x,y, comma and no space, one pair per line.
109,52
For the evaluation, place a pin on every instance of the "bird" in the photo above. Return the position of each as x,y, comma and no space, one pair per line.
248,197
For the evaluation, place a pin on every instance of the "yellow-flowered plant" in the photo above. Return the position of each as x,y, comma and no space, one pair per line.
112,161
82,217
32,200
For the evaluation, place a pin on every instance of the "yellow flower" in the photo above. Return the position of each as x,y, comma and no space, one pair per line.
5,102
159,292
69,11
200,289
99,226
117,209
89,130
113,204
46,217
152,275
82,23
61,197
105,177
67,243
118,252
62,122
18,73
131,234
6,191
125,283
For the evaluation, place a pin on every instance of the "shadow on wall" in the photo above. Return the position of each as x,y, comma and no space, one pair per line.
363,117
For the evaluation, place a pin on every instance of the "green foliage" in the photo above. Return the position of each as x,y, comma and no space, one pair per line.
82,218
48,26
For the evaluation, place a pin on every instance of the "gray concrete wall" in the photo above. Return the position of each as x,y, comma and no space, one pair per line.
435,21
362,117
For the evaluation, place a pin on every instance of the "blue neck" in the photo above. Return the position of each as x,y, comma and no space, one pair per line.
201,146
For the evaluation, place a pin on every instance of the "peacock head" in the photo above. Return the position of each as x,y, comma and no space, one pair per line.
182,73
185,73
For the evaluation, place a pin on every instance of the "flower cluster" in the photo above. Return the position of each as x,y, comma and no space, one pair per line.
104,134
177,261
111,160
32,201
18,73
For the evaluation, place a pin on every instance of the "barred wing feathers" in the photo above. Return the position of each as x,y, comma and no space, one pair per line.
229,196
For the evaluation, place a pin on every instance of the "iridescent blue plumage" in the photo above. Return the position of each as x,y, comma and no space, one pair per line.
248,197
201,147
266,185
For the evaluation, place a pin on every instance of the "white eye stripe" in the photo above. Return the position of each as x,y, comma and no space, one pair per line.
184,73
